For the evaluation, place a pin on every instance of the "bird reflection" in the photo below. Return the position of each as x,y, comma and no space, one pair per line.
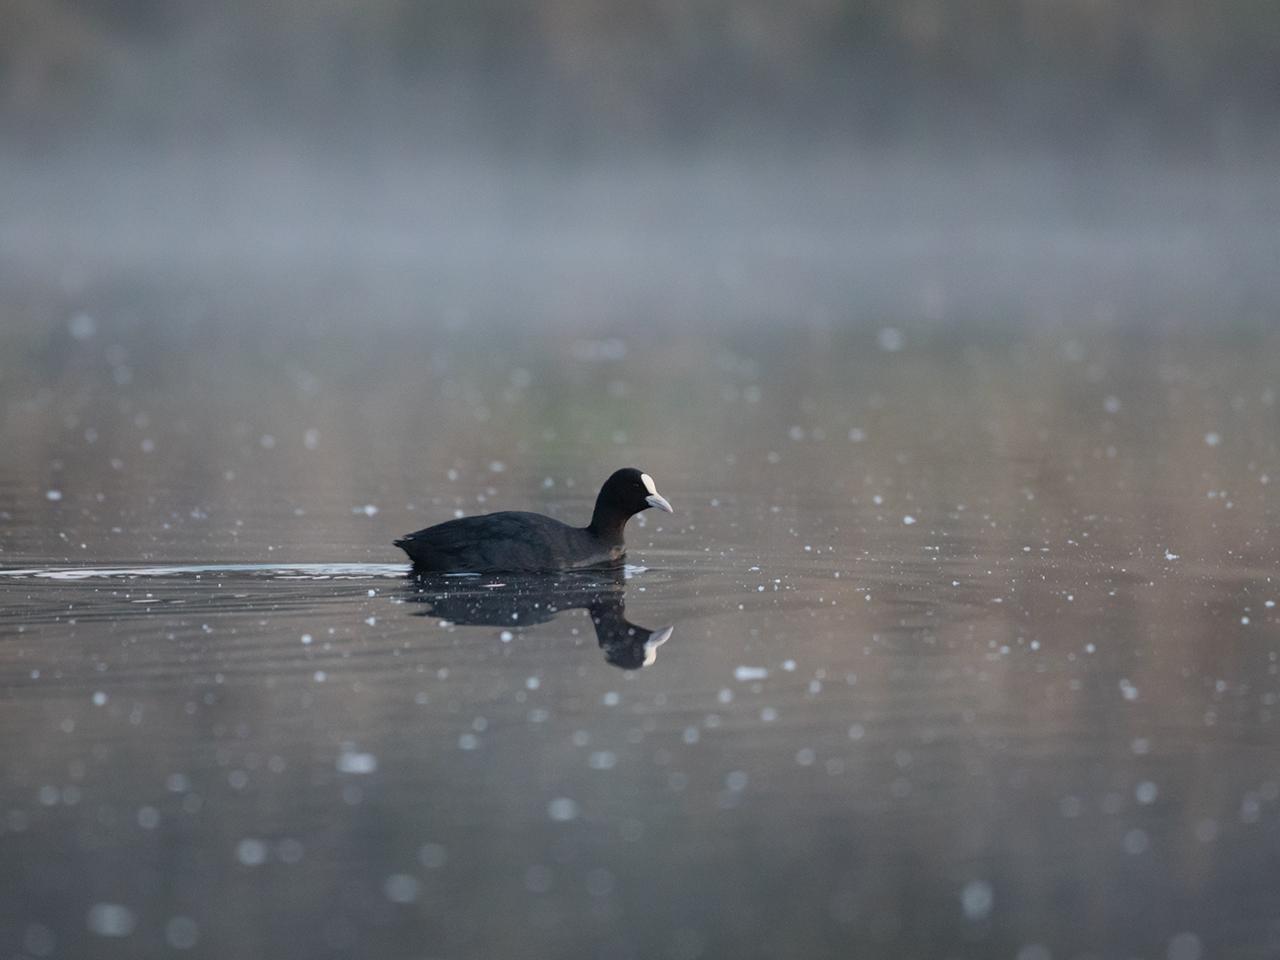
524,599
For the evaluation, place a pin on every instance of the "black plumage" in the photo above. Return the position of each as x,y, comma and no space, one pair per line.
517,541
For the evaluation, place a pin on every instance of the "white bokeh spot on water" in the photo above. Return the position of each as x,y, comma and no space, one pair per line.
562,810
977,899
110,920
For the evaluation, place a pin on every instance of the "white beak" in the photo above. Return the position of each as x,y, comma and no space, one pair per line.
659,501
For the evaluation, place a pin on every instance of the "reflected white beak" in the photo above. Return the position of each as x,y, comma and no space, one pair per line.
656,639
659,501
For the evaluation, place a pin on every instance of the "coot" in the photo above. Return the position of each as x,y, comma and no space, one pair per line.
515,541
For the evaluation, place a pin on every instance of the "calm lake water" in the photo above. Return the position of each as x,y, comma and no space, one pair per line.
974,640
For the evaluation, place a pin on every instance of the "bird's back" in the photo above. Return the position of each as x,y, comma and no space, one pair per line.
510,541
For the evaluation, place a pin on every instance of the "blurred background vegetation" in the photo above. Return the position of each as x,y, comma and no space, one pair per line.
565,82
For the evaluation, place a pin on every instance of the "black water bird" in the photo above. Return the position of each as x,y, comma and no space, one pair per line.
515,541
529,599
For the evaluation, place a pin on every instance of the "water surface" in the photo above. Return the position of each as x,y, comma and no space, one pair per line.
973,643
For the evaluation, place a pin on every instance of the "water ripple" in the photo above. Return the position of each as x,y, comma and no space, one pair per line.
275,571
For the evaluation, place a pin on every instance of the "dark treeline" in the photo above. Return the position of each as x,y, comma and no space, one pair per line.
563,80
